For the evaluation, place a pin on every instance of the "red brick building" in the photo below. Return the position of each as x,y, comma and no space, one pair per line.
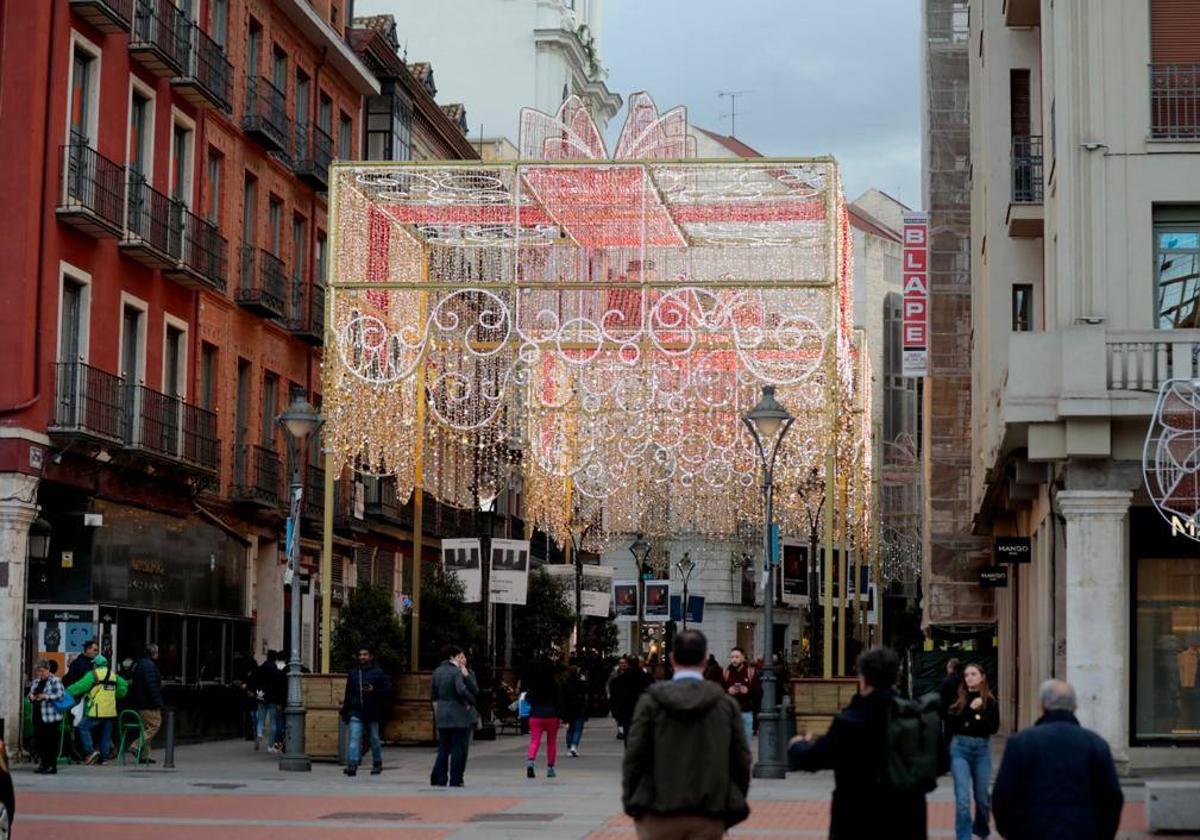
161,302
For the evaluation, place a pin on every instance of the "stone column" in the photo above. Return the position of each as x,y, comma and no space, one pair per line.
1097,620
18,509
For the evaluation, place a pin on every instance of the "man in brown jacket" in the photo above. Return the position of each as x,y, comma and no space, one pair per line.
687,762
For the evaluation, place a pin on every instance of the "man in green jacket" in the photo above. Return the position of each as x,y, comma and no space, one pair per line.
687,763
102,687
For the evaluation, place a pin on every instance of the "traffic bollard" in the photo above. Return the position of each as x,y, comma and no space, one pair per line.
169,726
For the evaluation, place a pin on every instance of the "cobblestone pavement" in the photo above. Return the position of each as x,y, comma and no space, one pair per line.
227,791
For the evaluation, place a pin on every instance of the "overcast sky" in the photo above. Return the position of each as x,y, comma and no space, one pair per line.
827,76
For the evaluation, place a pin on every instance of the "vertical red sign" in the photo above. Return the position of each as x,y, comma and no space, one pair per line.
915,314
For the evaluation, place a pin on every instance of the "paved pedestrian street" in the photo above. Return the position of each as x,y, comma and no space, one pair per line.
228,792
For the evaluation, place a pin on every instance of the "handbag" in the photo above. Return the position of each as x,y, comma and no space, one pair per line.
522,706
66,702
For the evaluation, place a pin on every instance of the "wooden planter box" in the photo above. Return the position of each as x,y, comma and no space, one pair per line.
411,720
412,710
816,701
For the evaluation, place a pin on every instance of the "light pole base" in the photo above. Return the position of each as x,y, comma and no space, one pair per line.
295,763
773,770
770,764
294,757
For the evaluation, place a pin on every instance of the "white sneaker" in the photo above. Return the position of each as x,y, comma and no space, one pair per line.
574,752
271,749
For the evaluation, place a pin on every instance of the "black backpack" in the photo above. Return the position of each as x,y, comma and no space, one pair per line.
913,743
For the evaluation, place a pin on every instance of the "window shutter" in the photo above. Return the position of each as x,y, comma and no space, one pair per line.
1174,32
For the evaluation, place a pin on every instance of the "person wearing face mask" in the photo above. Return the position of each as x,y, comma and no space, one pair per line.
971,720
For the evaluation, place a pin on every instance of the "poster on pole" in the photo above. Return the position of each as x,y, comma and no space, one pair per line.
596,590
508,582
564,573
915,301
795,571
461,559
625,599
658,600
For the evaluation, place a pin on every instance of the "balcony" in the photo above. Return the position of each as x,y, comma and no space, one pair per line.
1022,13
153,225
208,79
161,37
312,153
1175,101
312,507
88,404
201,445
93,191
265,116
1025,205
257,476
105,15
153,422
263,288
382,500
308,312
204,261
349,511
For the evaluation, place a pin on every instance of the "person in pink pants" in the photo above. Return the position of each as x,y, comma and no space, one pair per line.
544,696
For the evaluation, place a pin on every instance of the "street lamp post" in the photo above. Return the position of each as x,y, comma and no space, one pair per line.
640,551
577,530
768,422
299,423
686,566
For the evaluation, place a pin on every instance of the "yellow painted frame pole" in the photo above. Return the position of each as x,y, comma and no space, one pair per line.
831,453
418,536
327,567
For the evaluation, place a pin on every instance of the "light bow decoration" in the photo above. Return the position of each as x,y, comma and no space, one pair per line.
1171,457
596,325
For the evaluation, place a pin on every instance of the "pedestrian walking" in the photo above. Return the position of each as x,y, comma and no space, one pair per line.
972,719
145,697
742,684
454,696
687,761
627,688
575,707
865,801
102,687
1057,780
713,671
545,710
364,706
44,694
81,665
269,686
948,693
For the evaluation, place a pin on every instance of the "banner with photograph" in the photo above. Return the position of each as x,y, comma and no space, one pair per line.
508,581
795,571
658,600
625,599
461,558
595,587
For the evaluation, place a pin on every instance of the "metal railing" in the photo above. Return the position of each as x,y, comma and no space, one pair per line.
314,492
88,401
1141,360
264,282
205,251
1027,180
382,498
152,218
152,421
257,474
160,27
210,68
265,113
201,445
105,15
1175,101
312,153
92,182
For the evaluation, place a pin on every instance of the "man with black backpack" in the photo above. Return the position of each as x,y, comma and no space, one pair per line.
883,752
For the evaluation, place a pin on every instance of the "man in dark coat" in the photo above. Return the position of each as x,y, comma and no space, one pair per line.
687,763
454,693
81,665
855,747
145,696
1057,780
626,689
365,704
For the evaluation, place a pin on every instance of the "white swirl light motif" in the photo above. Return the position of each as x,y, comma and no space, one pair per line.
1171,457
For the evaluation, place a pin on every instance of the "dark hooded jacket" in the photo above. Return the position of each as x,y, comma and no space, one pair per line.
686,753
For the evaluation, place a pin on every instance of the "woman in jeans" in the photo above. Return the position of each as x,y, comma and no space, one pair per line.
574,711
972,719
545,708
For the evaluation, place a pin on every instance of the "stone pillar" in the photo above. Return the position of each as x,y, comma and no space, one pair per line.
18,509
1097,617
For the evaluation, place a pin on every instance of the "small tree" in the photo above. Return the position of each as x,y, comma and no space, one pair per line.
540,626
600,633
368,620
445,619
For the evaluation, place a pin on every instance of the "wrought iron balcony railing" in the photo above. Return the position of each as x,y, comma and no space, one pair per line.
307,320
152,422
201,445
87,403
204,258
161,37
263,287
257,475
1027,173
208,78
93,195
1175,101
105,15
265,115
312,152
313,504
153,225
383,501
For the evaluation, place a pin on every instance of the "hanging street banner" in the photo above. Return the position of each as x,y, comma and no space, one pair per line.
795,571
508,578
461,558
658,600
695,608
625,599
595,587
915,305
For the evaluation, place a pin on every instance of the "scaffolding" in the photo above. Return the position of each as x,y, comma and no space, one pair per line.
952,556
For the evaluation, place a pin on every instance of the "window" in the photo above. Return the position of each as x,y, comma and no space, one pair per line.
389,127
1177,269
218,24
253,48
72,325
302,104
1167,632
84,93
346,138
325,114
279,69
216,165
1019,103
249,209
181,163
1022,307
333,16
275,225
133,339
141,140
208,376
299,246
319,263
242,410
270,400
175,360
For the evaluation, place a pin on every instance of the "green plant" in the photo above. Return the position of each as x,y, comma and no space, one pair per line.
543,624
600,634
370,620
445,619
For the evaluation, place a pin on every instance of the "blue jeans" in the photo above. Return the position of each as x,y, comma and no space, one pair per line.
85,735
748,722
276,713
354,747
575,731
971,767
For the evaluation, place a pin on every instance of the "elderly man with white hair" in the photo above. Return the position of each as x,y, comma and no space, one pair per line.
1057,779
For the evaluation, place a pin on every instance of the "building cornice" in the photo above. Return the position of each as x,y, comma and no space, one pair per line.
340,56
568,43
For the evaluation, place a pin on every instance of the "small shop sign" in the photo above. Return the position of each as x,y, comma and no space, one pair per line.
993,577
1012,550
